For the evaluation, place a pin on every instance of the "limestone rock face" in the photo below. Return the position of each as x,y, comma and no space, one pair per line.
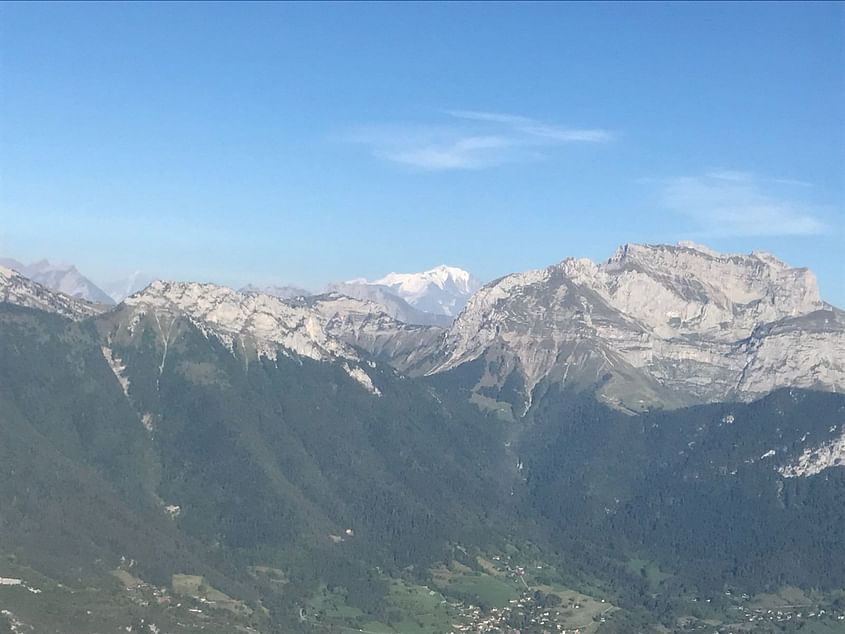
655,324
814,460
390,303
266,322
330,328
22,291
62,278
366,325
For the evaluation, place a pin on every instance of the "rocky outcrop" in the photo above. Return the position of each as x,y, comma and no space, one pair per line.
61,278
656,325
814,460
268,324
22,291
367,326
389,303
328,327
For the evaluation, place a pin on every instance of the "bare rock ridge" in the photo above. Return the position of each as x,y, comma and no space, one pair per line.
319,327
409,347
322,328
282,292
22,291
392,303
62,278
654,324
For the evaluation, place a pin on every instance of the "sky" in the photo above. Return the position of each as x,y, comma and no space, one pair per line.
310,143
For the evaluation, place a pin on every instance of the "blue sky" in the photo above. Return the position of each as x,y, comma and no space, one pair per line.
273,143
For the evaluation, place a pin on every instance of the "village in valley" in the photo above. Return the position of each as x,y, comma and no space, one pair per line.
537,605
525,615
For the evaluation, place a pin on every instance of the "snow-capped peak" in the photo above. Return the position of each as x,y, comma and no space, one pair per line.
440,276
443,290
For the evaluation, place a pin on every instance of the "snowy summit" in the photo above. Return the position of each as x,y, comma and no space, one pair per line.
443,290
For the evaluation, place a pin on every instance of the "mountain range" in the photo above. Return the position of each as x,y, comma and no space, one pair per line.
653,325
429,298
647,431
63,278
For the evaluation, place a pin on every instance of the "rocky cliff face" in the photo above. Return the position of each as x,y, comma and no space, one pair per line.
330,328
268,324
814,460
366,325
654,325
60,278
22,291
389,303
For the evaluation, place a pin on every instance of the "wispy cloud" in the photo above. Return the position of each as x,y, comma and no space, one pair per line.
471,140
541,132
732,203
472,152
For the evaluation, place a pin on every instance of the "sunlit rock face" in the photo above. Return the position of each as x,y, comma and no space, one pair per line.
655,324
22,291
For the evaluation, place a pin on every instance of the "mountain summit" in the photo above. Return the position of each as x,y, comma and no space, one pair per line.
443,290
22,291
62,278
653,324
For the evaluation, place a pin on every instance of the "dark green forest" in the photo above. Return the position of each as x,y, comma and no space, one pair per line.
288,465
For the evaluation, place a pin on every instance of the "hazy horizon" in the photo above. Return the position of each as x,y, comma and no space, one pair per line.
147,277
306,144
